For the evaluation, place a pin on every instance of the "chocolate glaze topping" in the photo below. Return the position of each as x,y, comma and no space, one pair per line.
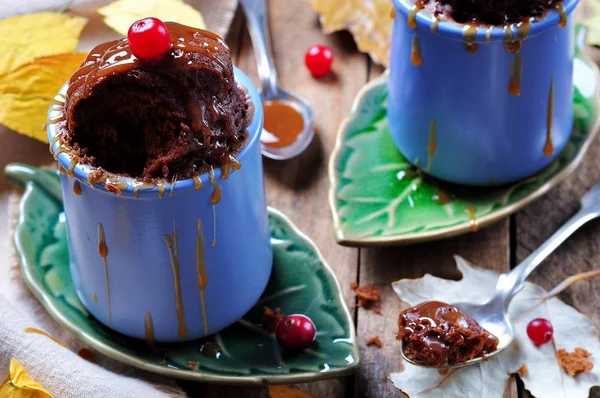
439,334
173,117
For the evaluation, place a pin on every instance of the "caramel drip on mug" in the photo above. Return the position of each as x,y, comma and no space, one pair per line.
511,43
393,13
177,282
560,9
149,329
71,169
516,69
94,298
235,163
435,25
103,252
59,150
415,53
55,119
172,188
432,144
549,146
91,181
62,169
201,271
523,29
215,198
58,99
77,188
197,182
488,34
160,186
472,218
470,37
412,15
138,185
114,185
55,139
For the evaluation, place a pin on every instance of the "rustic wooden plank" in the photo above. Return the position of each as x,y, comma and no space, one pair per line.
299,187
488,248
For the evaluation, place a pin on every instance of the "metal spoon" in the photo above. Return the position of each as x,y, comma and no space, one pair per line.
256,15
493,314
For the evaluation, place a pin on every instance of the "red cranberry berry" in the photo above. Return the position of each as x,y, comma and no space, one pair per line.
149,38
540,331
295,332
318,60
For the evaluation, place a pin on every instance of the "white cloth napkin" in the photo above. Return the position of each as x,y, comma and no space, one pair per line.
60,370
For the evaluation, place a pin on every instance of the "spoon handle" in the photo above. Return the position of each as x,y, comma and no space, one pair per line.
510,283
258,27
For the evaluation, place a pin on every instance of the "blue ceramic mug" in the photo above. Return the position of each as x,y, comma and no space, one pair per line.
481,106
163,262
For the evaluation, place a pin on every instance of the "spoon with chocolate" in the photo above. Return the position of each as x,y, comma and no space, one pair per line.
440,335
289,118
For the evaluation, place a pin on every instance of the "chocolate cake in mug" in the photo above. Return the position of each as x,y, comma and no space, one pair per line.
163,187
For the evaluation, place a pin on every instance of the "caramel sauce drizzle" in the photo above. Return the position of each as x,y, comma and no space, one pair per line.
488,34
58,99
71,169
161,189
470,37
560,9
412,15
393,13
61,149
94,298
62,170
511,44
197,182
149,329
55,119
139,185
235,163
172,247
549,146
91,181
516,70
103,252
473,218
201,271
172,187
435,25
55,139
215,198
432,144
416,57
77,188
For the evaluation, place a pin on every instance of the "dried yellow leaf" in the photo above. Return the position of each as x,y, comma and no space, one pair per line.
19,384
25,92
37,35
122,13
369,21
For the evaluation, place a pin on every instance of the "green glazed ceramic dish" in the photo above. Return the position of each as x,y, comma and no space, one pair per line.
378,199
244,353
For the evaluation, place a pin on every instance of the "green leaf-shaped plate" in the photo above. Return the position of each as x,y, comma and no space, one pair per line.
301,282
378,199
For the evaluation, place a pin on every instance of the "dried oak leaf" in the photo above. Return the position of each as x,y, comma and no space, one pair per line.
19,384
120,14
37,35
544,378
25,92
369,21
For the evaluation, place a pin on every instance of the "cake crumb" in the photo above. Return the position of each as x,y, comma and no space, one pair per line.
271,318
523,371
575,362
375,340
368,296
192,365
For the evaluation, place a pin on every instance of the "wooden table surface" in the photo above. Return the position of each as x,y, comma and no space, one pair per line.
299,188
